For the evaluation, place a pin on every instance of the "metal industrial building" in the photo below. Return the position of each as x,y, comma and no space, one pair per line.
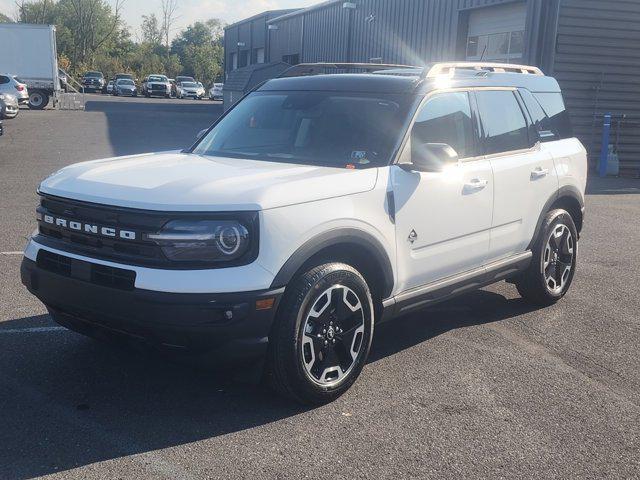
591,46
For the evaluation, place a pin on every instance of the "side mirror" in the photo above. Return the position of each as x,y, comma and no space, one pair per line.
201,133
432,157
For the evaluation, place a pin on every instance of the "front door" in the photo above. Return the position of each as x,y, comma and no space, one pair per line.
443,218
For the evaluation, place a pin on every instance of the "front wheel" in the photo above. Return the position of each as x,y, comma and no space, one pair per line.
322,335
553,266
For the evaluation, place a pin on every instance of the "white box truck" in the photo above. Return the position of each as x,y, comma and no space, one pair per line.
30,53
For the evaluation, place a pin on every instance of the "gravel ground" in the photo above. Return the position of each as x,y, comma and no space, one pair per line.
481,386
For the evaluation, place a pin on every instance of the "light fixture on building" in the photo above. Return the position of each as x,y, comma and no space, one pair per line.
241,44
273,27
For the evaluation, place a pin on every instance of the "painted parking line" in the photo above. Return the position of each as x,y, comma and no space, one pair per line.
11,253
33,330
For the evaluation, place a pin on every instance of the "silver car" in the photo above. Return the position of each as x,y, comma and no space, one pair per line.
9,107
14,86
125,87
215,93
190,90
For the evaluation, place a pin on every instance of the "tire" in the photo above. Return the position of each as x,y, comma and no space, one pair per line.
553,265
322,335
38,100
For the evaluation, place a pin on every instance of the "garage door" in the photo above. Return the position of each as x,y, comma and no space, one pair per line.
497,33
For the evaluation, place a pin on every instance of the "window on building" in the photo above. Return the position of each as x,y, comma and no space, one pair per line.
257,55
291,59
243,58
496,46
233,60
505,126
446,118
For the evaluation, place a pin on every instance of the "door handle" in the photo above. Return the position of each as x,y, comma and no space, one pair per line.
475,184
539,173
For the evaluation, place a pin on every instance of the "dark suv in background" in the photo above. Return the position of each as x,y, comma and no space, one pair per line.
93,81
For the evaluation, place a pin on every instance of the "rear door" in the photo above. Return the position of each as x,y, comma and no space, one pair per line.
524,173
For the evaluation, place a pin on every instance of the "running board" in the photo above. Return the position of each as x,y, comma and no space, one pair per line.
450,287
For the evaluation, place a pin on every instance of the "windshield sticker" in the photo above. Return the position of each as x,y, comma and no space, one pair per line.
360,157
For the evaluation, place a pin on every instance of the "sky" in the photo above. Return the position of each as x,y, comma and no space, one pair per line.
190,10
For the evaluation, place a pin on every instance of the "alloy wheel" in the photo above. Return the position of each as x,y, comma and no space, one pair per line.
558,258
332,336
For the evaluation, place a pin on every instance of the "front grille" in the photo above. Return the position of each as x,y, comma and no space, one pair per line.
105,276
137,251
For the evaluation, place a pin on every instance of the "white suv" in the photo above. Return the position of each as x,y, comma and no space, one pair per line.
317,207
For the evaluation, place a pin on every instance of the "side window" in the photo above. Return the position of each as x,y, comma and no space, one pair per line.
553,106
446,118
541,129
505,126
3,79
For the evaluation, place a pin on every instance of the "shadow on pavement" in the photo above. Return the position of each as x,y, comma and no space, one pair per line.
67,401
142,126
613,186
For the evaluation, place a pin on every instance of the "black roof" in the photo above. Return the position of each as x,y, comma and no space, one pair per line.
384,82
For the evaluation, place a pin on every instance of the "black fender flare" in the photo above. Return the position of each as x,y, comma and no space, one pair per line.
564,191
335,237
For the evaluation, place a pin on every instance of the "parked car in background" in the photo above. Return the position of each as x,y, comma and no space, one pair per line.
190,90
182,78
93,81
109,88
9,107
1,128
215,92
125,87
156,85
14,86
118,76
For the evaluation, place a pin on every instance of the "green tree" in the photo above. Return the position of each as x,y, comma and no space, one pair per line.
150,28
5,19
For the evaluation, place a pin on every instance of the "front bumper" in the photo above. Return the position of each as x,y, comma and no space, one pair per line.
229,325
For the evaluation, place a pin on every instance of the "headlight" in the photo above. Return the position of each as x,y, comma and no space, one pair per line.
203,241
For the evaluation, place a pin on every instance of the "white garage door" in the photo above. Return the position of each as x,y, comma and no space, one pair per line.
497,33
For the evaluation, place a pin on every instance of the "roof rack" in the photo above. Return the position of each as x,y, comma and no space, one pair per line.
450,68
309,69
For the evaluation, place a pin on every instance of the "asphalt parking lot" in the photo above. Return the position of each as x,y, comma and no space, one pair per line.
480,387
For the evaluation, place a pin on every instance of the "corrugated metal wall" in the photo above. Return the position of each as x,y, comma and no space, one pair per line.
597,62
397,31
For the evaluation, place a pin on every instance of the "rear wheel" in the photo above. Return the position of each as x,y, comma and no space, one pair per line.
38,100
322,336
553,266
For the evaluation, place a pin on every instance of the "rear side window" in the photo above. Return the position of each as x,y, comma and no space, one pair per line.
446,118
3,79
558,117
504,123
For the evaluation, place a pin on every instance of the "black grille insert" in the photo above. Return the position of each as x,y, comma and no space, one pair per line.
102,275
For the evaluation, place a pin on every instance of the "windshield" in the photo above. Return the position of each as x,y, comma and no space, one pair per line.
125,82
188,84
93,74
157,78
337,129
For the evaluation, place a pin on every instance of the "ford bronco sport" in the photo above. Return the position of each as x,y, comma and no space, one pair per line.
317,207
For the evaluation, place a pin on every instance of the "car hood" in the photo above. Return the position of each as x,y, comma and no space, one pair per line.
174,181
